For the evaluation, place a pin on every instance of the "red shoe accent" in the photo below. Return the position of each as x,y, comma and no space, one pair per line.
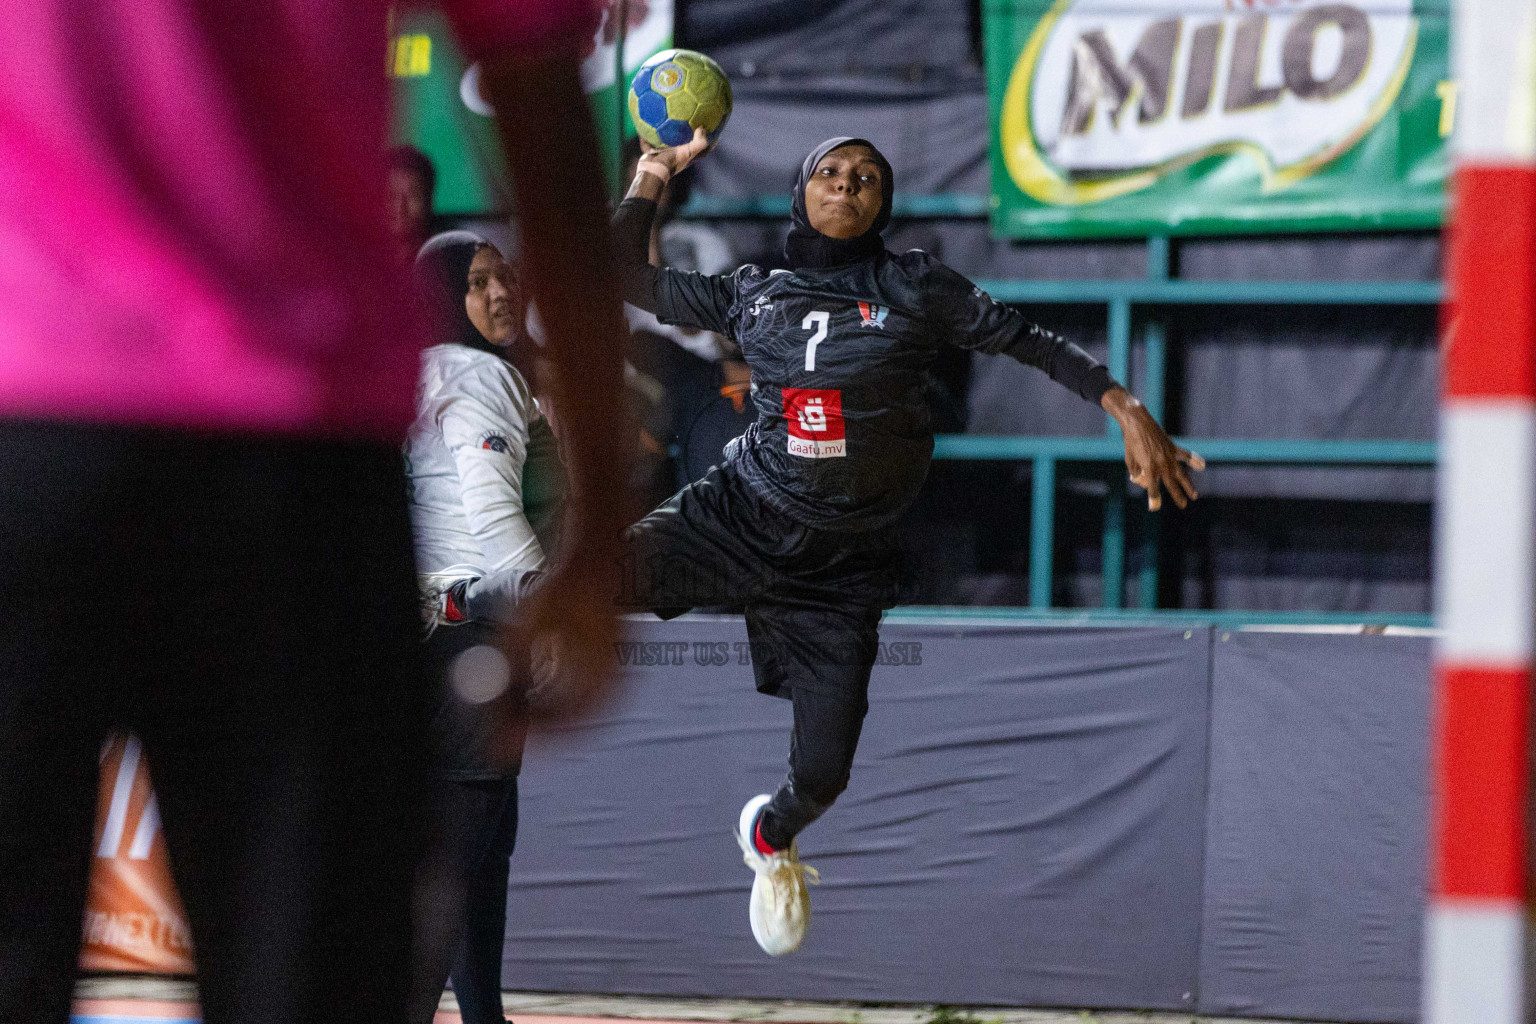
758,840
451,611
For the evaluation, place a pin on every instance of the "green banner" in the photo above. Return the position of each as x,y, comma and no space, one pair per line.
437,105
1135,117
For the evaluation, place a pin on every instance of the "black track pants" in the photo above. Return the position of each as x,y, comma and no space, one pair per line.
813,601
461,892
461,898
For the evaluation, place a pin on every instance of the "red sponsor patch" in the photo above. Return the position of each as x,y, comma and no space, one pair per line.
815,420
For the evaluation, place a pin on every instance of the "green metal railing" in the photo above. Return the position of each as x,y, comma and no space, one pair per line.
902,205
946,615
1128,302
1046,452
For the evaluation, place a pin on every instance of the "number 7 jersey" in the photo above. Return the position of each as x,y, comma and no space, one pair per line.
840,363
840,368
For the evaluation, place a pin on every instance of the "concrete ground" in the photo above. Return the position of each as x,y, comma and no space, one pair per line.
127,1000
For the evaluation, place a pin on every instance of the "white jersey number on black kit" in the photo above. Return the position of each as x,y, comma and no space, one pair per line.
816,320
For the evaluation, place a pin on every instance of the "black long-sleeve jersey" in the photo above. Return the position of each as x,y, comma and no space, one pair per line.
839,362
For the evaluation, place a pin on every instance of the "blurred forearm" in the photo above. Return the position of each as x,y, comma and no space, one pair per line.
556,166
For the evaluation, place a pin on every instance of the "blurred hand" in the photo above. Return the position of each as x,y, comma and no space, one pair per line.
637,12
562,212
1153,460
564,642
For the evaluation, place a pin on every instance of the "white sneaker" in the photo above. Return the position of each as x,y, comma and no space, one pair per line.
781,906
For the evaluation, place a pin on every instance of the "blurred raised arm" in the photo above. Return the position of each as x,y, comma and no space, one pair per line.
530,54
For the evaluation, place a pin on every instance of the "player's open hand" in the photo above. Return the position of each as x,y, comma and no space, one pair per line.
1152,459
672,159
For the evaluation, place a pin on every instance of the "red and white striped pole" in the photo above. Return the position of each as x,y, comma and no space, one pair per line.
1476,935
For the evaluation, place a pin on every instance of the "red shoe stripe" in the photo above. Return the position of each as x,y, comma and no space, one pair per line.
758,840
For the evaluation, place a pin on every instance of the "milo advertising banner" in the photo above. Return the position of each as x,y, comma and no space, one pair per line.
1127,117
439,107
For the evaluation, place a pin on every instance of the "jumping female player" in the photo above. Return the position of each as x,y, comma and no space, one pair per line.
797,523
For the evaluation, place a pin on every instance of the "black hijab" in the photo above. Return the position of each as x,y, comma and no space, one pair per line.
809,248
442,276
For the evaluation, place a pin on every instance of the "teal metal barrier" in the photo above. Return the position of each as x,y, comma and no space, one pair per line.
1046,452
1217,293
942,615
1128,303
903,204
1215,449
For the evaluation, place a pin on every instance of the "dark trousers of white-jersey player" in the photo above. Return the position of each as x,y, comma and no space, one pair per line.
480,464
797,523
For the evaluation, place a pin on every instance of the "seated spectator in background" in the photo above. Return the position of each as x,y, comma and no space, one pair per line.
412,184
479,458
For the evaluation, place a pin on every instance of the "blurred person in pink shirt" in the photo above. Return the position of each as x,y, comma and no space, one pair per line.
207,364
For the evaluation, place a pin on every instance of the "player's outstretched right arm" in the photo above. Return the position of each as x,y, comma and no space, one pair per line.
977,322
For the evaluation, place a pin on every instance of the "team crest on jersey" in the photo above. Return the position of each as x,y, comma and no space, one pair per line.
874,316
494,442
814,417
760,305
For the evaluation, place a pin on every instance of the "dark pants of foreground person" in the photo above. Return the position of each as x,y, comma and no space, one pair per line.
812,599
247,606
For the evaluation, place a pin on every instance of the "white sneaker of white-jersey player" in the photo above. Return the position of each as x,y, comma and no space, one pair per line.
781,906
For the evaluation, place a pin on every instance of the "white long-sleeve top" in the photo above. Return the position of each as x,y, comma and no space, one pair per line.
465,455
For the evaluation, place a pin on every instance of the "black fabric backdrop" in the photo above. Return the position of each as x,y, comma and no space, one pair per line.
1027,824
907,74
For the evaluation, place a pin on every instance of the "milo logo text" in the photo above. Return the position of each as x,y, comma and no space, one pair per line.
1098,74
1108,97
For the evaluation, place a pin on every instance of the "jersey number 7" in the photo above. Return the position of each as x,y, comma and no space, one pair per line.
816,321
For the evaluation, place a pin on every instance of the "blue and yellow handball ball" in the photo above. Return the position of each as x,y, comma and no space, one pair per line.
675,92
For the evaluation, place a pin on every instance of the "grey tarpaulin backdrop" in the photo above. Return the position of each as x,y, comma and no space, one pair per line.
1026,825
1316,860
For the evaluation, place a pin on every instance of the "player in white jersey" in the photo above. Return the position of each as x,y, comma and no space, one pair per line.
473,460
477,427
